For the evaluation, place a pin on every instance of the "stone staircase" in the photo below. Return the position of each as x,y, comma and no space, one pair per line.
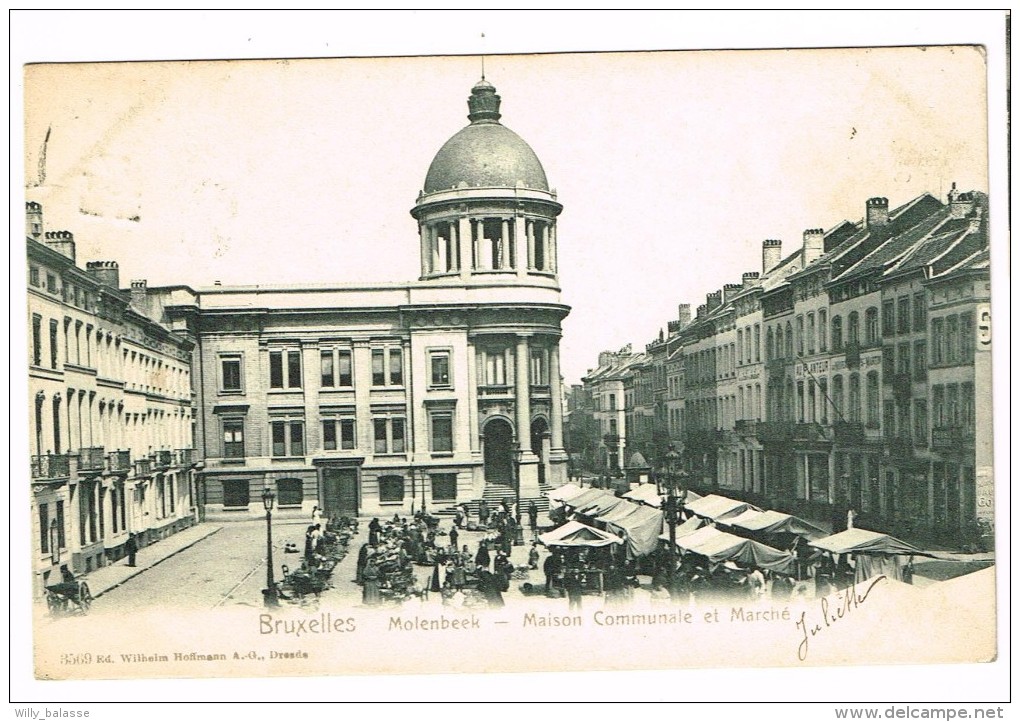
493,495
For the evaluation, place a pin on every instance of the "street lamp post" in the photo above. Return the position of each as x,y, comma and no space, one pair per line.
673,502
269,594
518,531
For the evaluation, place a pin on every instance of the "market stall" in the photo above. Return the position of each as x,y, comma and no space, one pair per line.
717,508
872,552
719,546
772,522
650,494
582,553
565,492
639,526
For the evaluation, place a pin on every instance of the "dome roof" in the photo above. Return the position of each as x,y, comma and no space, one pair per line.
485,154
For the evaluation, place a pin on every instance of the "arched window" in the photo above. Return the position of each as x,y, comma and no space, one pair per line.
854,399
853,330
837,334
871,326
873,399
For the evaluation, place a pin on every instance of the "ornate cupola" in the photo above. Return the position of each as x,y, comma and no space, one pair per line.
486,212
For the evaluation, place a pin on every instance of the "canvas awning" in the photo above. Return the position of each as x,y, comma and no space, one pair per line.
567,491
717,507
576,534
640,528
864,541
601,505
650,495
586,497
718,546
774,522
620,511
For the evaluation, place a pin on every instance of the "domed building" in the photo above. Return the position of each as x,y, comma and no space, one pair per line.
376,399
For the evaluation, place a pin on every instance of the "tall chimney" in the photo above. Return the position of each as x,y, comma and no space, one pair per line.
814,245
139,294
730,290
713,300
62,242
33,221
877,213
960,204
684,314
771,254
105,272
702,310
749,278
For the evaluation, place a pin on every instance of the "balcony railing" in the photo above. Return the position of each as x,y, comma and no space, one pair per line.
143,467
775,431
853,355
186,457
746,427
809,431
162,459
51,466
494,390
118,461
91,458
949,437
848,431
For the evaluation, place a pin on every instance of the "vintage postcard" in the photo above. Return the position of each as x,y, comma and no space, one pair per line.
515,363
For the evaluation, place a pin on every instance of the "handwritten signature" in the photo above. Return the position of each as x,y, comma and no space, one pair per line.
846,601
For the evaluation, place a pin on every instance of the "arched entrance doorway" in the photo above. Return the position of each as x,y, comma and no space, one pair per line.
540,439
499,449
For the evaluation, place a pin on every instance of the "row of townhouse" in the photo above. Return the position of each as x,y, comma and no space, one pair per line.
853,373
110,412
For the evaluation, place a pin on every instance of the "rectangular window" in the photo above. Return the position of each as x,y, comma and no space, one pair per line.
396,367
347,434
757,342
276,369
920,360
236,493
44,528
345,368
288,438
378,367
329,434
397,434
391,489
967,337
539,367
33,275
444,487
54,326
380,436
233,438
903,359
495,368
289,492
811,333
888,318
442,433
920,422
439,369
326,368
938,402
967,407
51,283
888,362
952,339
903,314
36,339
920,312
230,374
294,369
61,539
952,405
800,335
903,420
938,342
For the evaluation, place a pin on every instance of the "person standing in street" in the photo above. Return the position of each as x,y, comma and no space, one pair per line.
533,514
454,534
132,549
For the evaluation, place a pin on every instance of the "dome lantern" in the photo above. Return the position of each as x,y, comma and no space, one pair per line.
483,103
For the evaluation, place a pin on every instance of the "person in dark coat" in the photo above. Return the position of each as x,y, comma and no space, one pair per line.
374,530
490,586
482,558
533,514
362,558
454,534
132,549
551,569
370,595
573,583
483,512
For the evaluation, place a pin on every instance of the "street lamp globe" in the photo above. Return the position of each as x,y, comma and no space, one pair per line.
268,497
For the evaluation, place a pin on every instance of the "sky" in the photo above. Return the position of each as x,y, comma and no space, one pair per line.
672,167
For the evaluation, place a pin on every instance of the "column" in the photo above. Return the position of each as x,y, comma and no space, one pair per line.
528,462
424,240
472,398
504,261
465,243
556,392
553,261
523,255
530,226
